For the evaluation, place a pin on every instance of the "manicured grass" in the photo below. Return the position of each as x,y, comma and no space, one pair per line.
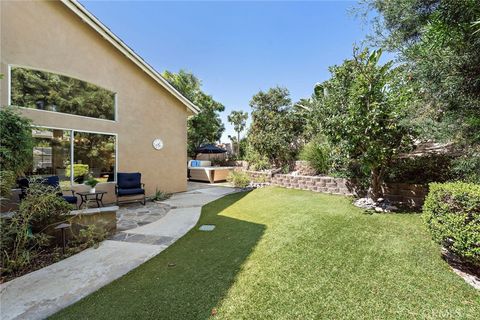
288,254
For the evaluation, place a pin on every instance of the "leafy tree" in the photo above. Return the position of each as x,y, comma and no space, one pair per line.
16,142
239,121
49,91
275,127
305,112
362,108
439,42
206,126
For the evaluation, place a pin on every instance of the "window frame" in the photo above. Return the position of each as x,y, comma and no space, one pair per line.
72,148
9,93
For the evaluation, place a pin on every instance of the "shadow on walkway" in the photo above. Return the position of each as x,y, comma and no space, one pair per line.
185,281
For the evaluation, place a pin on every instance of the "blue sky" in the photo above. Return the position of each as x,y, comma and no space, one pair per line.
238,48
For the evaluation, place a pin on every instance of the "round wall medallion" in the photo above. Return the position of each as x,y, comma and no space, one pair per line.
158,144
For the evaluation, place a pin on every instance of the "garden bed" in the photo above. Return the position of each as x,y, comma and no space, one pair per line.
84,228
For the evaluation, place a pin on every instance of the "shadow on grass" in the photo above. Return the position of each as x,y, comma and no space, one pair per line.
186,281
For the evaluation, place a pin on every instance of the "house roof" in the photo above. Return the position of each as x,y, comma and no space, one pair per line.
103,31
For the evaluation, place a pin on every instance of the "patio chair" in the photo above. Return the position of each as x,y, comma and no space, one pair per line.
52,181
130,184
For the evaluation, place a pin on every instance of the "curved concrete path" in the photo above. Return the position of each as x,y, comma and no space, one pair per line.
43,292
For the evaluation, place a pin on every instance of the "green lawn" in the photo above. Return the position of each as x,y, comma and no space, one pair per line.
289,254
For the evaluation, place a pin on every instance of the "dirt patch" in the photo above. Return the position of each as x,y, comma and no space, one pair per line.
469,272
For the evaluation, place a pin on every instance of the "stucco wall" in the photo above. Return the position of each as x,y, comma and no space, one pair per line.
48,36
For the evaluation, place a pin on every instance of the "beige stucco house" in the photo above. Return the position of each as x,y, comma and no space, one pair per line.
62,40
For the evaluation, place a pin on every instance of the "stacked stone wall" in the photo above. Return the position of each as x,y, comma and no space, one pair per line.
408,195
259,176
312,183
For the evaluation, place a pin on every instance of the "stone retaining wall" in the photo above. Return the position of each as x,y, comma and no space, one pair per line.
104,217
304,168
259,176
312,183
405,194
409,195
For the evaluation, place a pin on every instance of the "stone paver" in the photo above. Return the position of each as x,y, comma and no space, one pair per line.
135,214
46,291
175,224
143,238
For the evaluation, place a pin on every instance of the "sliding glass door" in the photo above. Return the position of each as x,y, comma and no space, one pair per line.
73,155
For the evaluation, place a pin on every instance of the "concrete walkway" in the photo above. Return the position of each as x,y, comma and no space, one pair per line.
43,292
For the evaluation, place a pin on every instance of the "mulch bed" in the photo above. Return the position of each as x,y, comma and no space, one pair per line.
43,259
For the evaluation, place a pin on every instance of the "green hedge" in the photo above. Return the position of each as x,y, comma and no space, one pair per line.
79,170
452,214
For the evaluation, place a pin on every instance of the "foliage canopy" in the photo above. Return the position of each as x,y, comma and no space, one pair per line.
438,40
206,126
362,107
49,91
275,127
16,141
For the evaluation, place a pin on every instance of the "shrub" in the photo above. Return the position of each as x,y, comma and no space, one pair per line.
159,195
256,162
44,205
7,181
24,234
239,179
260,165
467,166
91,182
452,215
88,236
219,162
79,170
16,142
317,153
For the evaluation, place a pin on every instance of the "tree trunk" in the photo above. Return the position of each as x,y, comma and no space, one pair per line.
375,190
238,144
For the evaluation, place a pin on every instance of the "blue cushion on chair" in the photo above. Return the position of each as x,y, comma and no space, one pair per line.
130,191
70,199
52,181
129,180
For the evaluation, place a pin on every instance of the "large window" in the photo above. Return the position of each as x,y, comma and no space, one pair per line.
94,155
51,154
53,92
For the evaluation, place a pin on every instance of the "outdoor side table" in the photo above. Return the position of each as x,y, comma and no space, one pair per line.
97,196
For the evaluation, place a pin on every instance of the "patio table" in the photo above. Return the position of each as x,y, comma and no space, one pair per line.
97,196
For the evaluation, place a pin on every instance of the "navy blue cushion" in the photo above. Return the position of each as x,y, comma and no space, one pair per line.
23,183
70,199
52,181
129,180
130,191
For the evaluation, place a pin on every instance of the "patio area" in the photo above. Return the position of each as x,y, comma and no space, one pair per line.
143,232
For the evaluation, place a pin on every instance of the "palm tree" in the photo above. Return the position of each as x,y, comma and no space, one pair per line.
239,121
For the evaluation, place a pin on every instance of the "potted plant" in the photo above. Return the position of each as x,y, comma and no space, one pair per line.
91,182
